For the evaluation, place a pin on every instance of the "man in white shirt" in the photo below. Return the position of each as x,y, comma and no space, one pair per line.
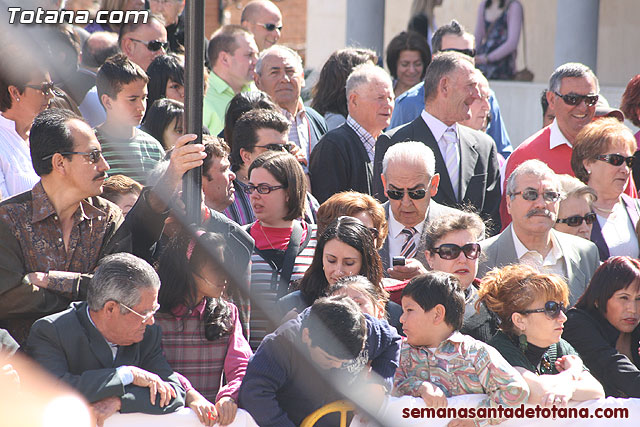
410,181
533,196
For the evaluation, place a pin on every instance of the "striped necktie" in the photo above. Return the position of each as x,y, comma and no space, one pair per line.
452,158
409,247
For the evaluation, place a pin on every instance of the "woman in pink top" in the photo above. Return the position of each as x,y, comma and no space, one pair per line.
201,332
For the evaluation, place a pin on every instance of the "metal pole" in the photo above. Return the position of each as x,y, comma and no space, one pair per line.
194,62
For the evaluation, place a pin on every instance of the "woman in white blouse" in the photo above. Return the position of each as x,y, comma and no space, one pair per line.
25,90
602,158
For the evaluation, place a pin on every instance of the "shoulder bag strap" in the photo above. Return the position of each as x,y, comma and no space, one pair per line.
289,259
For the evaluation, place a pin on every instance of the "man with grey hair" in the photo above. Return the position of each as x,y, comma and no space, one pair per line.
572,95
348,151
466,159
410,181
108,348
533,196
279,73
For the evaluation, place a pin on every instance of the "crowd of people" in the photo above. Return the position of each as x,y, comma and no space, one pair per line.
384,237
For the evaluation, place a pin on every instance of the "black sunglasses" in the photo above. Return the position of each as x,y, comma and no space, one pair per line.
616,159
262,188
468,52
270,27
44,87
153,45
576,220
531,195
94,156
452,251
573,99
551,308
277,147
413,194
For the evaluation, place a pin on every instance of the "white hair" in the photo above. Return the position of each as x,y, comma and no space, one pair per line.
283,50
533,167
410,153
363,74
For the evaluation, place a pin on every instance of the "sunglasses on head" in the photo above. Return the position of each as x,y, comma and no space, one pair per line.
452,251
277,147
616,159
270,27
468,52
576,220
153,45
44,87
531,195
551,308
93,156
413,194
573,99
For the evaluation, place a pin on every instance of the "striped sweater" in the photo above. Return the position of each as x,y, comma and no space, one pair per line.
264,295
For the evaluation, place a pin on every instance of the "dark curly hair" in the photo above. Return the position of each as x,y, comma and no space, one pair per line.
351,231
176,269
329,94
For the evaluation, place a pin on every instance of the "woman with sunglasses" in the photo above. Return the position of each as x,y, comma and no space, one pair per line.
284,248
602,158
531,308
25,90
345,248
575,212
201,331
451,245
603,326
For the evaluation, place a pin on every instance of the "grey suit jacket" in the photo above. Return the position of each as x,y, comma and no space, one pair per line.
434,211
68,346
580,255
479,170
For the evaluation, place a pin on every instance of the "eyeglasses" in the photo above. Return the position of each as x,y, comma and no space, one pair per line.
276,147
262,188
551,308
153,45
413,194
94,156
531,195
452,251
616,159
576,220
270,27
574,99
45,87
145,317
468,52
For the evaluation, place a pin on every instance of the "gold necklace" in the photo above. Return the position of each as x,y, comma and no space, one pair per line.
265,236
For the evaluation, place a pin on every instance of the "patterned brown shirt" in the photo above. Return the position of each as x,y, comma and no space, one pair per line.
31,241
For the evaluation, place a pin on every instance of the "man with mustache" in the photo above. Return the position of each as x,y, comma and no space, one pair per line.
51,236
533,196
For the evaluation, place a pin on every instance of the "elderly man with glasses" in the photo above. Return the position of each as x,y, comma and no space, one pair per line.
410,181
533,195
143,42
108,348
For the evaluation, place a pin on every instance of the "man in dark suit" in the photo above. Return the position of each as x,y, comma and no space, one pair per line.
343,158
533,195
466,159
410,181
108,348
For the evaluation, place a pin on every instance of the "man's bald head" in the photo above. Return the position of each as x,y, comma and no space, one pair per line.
97,48
264,20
